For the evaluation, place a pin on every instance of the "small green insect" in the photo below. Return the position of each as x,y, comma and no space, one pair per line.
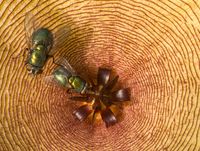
40,42
64,75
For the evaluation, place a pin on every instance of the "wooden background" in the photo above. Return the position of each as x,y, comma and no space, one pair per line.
152,44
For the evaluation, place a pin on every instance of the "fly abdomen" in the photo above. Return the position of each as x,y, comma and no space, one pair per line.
38,56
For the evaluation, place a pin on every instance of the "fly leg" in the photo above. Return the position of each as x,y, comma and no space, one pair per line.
24,51
71,91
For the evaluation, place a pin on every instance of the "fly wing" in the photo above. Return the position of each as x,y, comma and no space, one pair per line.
29,25
63,62
59,39
50,80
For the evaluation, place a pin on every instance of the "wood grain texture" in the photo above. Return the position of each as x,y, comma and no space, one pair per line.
153,45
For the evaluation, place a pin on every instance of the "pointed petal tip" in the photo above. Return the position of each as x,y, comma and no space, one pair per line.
103,76
121,95
110,85
108,117
82,112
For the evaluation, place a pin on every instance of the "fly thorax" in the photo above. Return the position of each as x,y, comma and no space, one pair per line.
42,36
77,83
71,81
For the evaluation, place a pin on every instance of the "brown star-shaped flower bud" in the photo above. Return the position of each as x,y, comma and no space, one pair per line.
101,97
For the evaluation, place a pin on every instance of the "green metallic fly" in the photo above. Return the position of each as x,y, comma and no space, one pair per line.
64,75
40,45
